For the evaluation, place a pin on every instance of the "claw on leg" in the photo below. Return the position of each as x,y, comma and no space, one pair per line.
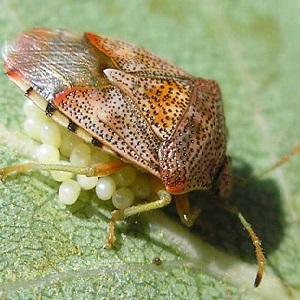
118,215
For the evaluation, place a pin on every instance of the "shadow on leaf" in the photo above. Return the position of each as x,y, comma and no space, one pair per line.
259,201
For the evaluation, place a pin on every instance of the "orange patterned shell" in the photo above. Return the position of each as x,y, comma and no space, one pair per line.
146,110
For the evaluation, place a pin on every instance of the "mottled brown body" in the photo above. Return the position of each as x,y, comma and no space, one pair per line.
147,111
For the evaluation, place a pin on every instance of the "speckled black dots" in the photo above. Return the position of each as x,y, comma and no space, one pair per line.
157,98
146,110
198,146
133,59
115,121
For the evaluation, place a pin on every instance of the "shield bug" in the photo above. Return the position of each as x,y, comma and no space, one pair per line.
133,104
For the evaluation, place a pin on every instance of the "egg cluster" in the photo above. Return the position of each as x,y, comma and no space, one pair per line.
60,146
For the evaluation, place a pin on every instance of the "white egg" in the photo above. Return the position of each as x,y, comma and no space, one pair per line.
142,186
50,134
68,192
32,127
125,177
87,183
31,110
99,156
81,155
123,198
47,154
105,188
69,141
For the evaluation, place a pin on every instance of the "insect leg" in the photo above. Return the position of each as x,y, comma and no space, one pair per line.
187,214
261,261
102,169
223,186
117,215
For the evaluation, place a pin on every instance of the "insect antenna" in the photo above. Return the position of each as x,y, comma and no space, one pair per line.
242,181
261,261
283,160
280,162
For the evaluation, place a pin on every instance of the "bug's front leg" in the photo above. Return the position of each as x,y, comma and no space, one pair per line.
102,169
117,215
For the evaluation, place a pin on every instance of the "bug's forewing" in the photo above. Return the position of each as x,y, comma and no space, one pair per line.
114,120
133,59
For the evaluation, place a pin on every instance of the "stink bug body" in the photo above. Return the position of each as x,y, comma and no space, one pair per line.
131,103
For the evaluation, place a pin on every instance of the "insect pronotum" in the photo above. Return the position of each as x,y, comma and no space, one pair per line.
129,102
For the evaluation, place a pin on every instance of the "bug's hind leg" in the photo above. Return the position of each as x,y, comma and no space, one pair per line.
102,169
117,215
187,214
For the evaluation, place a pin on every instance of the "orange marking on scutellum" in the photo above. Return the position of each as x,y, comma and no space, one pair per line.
160,116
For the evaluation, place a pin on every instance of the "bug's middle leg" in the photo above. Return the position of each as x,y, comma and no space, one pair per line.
117,215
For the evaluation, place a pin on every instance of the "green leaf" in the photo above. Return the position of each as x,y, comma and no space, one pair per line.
252,49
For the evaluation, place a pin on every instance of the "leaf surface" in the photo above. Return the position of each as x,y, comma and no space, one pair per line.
251,48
